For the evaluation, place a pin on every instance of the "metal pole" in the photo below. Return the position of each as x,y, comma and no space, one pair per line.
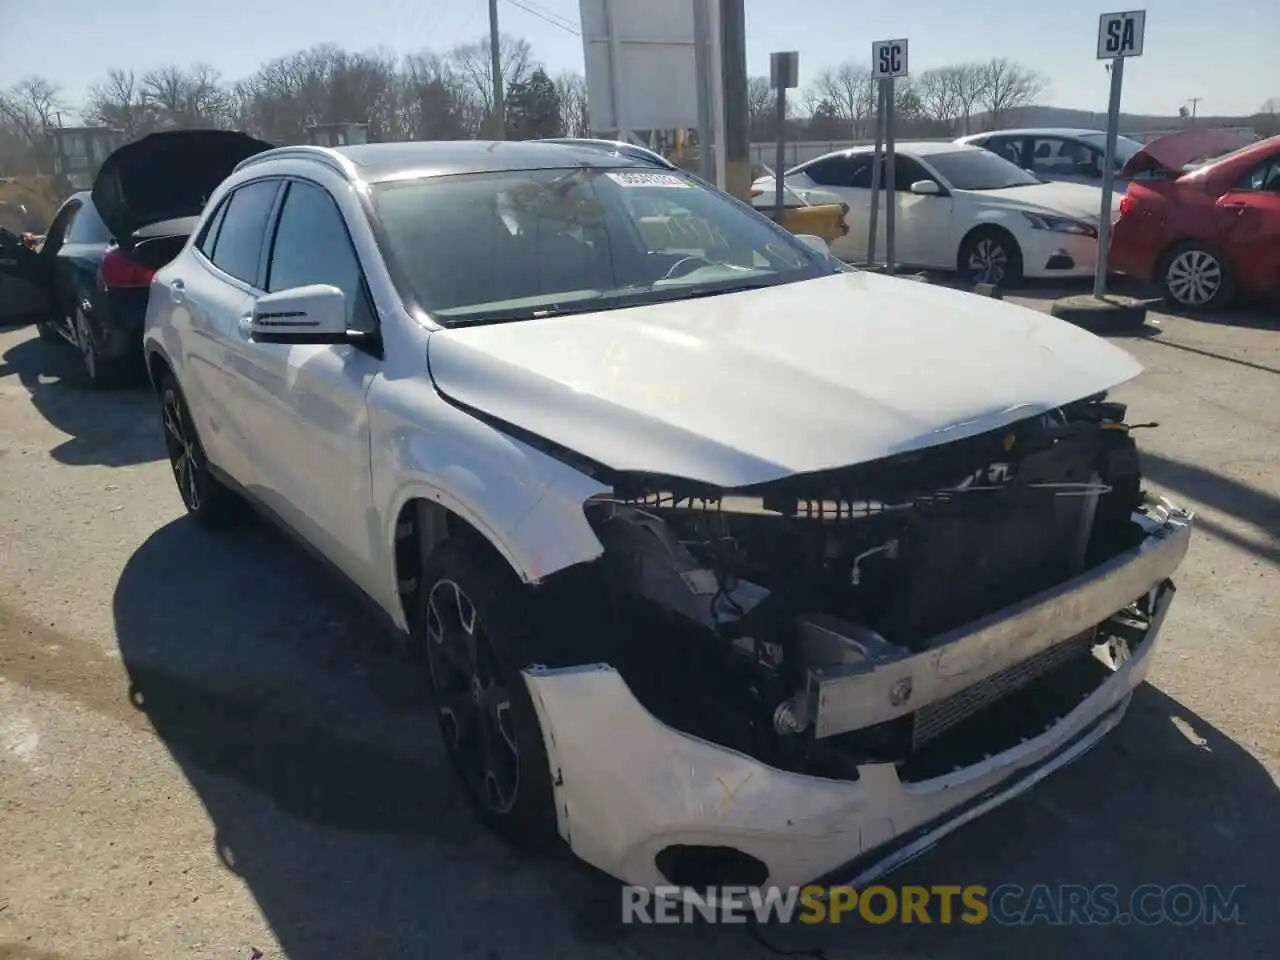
717,94
1108,178
703,59
737,141
499,118
890,198
618,101
876,165
781,156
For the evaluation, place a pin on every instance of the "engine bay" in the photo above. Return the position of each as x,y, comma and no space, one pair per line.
734,603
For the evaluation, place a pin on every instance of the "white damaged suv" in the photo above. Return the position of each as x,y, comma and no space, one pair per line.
728,564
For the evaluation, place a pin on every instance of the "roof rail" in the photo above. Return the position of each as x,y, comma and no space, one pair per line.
328,157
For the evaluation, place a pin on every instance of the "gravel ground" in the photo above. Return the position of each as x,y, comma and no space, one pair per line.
206,751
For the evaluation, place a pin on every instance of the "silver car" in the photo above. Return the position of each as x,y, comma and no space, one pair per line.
1053,153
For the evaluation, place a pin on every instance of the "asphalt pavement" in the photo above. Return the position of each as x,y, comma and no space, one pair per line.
207,751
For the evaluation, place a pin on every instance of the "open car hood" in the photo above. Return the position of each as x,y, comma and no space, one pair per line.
167,175
745,388
1174,151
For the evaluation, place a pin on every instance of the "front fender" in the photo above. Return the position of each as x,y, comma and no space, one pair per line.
525,503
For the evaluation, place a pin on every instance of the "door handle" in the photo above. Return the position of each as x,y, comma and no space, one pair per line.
1239,208
245,325
176,291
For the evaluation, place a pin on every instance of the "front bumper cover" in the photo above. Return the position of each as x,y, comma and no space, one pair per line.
627,785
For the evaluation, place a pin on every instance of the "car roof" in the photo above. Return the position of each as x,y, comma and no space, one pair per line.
1038,132
373,162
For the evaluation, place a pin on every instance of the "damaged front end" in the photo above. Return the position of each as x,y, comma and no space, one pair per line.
923,614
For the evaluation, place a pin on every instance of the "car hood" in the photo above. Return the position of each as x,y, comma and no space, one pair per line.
1064,198
745,388
166,175
1175,151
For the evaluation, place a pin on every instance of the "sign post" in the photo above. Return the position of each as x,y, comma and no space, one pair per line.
1120,37
784,75
888,63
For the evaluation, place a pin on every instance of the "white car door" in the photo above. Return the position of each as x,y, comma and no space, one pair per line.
922,222
843,178
211,296
308,422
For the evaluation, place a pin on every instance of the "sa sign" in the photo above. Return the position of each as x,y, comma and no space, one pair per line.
1120,34
888,59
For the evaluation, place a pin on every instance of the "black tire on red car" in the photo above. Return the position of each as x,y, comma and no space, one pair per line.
475,639
1197,275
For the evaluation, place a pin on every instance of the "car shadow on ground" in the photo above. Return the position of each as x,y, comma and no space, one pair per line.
114,428
304,731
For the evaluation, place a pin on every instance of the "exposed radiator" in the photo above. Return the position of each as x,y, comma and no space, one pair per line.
937,718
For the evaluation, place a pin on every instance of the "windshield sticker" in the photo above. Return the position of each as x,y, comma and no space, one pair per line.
633,179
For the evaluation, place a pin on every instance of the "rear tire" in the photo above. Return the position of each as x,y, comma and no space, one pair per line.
990,255
209,503
1197,276
104,373
476,639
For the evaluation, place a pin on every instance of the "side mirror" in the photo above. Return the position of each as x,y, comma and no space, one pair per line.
926,188
814,243
312,314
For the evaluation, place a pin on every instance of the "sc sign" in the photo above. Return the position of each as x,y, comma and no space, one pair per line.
1120,34
888,59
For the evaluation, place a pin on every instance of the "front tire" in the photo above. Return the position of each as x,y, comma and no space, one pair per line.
476,640
990,255
208,502
1197,276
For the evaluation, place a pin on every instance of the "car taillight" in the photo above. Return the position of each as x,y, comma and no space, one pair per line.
117,270
1126,205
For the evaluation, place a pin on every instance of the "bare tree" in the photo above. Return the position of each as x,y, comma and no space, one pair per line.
574,117
939,97
187,98
119,101
433,99
850,89
1006,86
31,105
474,67
969,83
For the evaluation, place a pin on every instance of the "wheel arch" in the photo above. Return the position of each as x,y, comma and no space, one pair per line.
158,364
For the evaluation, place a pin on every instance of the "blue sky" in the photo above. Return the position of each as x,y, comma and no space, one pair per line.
1226,53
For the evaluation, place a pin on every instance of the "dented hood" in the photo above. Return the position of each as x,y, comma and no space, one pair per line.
1176,150
745,388
166,175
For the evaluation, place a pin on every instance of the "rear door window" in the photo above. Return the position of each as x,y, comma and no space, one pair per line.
238,246
87,227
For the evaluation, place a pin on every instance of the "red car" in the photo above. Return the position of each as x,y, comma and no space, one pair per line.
1206,234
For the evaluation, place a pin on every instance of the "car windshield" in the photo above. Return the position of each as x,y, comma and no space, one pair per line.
980,170
1125,148
515,245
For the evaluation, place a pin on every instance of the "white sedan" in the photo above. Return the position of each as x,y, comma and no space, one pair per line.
960,208
718,556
